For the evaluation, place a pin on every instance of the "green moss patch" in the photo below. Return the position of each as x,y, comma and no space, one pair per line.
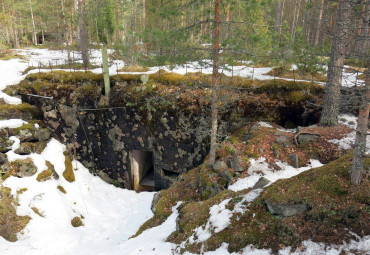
22,111
68,173
61,189
284,72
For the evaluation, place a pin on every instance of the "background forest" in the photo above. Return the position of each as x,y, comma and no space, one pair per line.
154,32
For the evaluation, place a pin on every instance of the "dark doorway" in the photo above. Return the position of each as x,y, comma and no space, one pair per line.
142,170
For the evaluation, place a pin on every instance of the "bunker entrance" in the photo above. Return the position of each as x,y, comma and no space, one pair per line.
142,170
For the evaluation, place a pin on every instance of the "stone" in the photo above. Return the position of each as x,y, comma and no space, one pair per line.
253,128
2,101
43,134
262,182
157,196
5,144
281,139
307,138
294,160
219,165
20,168
261,150
3,158
24,149
235,164
227,175
25,135
286,210
105,177
278,133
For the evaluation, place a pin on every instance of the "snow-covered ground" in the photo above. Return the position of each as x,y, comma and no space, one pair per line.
112,215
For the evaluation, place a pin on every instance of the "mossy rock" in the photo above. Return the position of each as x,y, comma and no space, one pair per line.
28,148
22,111
77,222
20,168
68,173
10,222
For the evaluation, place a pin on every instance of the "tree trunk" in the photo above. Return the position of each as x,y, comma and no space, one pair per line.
215,81
277,24
361,133
117,20
34,36
7,37
83,33
144,13
104,54
330,112
317,36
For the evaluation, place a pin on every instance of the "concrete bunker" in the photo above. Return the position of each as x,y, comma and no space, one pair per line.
142,169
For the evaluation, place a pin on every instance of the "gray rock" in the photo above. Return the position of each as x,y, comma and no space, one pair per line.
219,165
20,168
253,128
262,182
24,149
294,160
277,133
5,144
235,164
25,135
227,175
2,101
281,139
3,158
105,177
261,150
286,210
43,134
307,138
157,196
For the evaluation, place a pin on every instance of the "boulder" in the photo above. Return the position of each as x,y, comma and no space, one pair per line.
5,144
294,160
262,182
28,148
157,196
105,177
307,138
227,175
25,135
43,134
3,158
235,164
219,165
20,168
286,210
281,139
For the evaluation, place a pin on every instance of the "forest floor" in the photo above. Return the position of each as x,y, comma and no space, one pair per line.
110,215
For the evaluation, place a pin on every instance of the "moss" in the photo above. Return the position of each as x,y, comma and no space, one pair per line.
26,111
20,191
284,72
68,173
195,214
77,222
37,211
297,96
62,189
5,176
10,222
134,69
44,175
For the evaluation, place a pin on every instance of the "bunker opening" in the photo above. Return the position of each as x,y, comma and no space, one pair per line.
142,170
